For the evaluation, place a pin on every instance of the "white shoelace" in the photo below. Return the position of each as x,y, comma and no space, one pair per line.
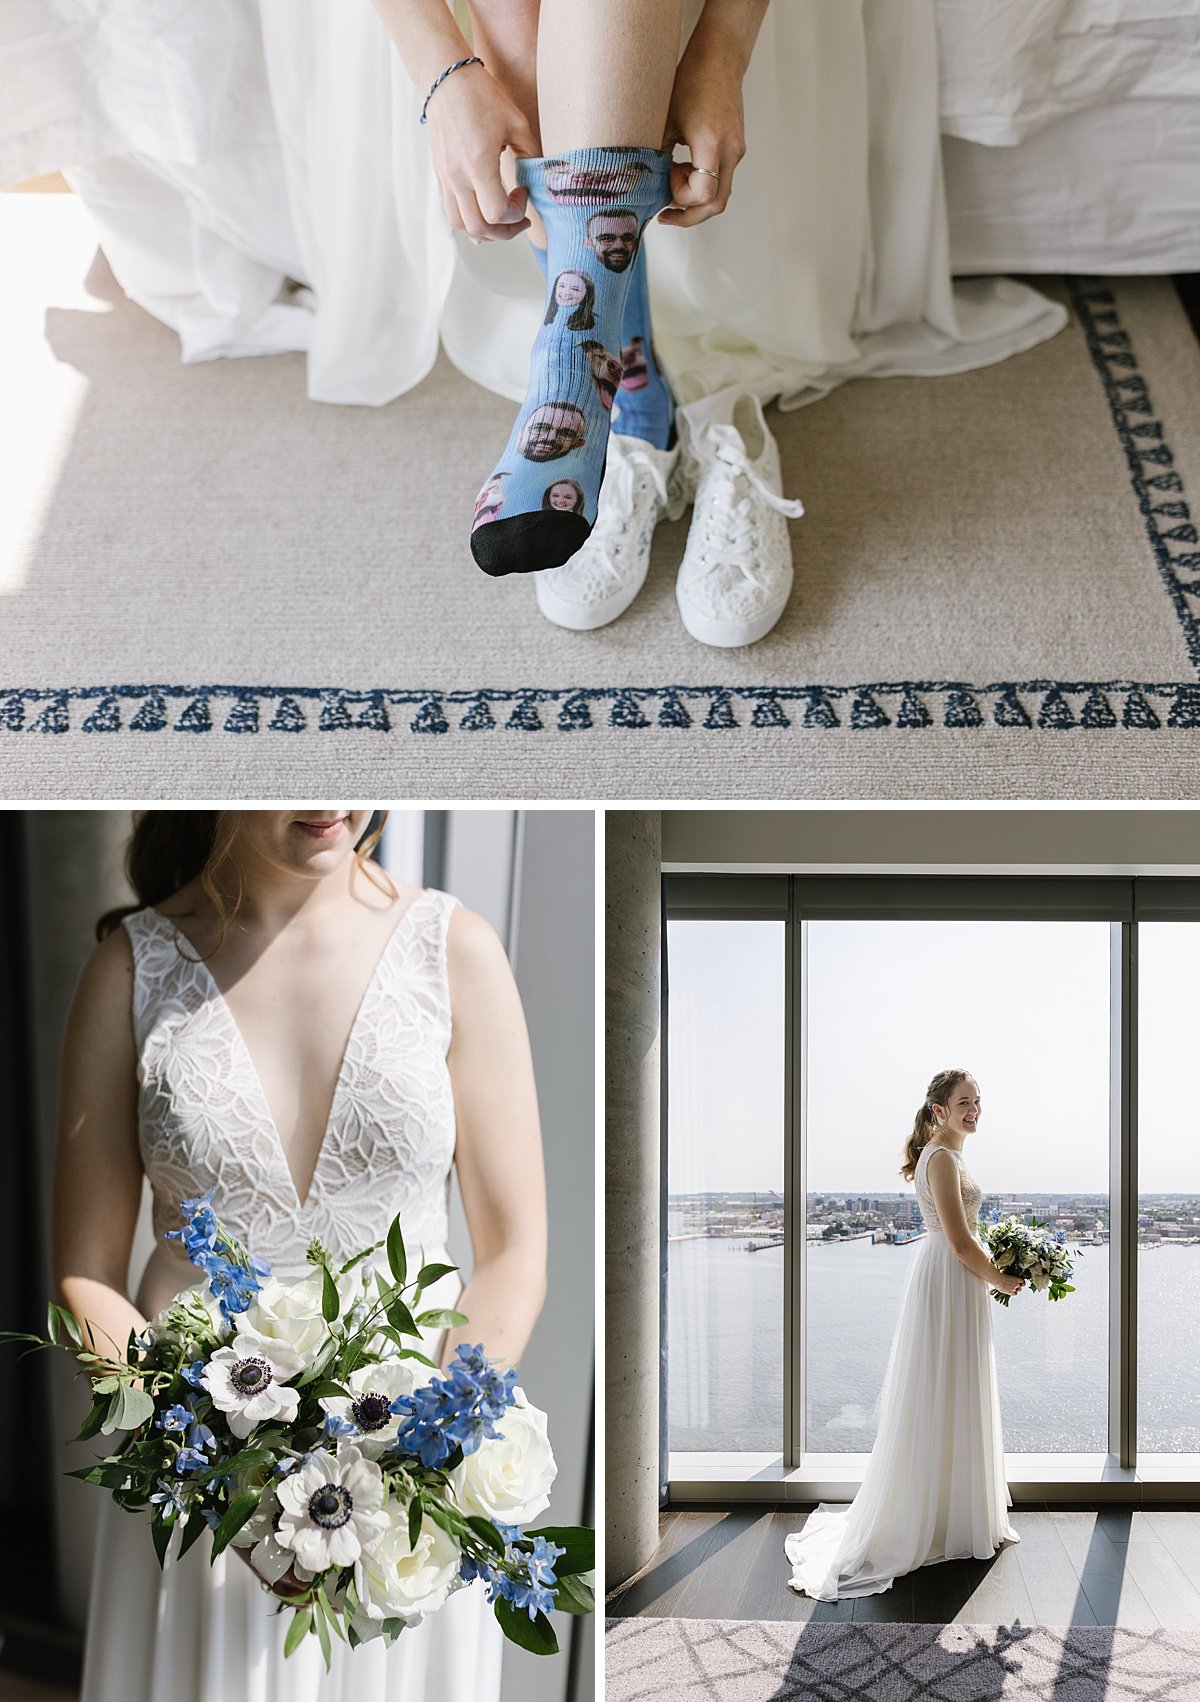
721,446
612,523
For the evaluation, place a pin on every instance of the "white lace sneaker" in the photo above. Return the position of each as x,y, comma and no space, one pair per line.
736,574
641,483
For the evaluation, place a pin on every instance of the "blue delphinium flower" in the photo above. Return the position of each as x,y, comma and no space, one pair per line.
338,1426
460,1409
175,1418
199,1435
234,1276
194,1373
525,1579
190,1460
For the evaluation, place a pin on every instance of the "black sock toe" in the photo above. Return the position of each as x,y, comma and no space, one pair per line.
527,543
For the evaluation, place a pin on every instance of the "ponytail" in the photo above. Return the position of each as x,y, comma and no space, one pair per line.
925,1124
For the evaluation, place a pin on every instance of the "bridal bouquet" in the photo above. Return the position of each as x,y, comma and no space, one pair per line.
298,1419
1031,1250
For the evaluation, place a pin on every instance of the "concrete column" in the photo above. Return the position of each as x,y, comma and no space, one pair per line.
633,841
75,874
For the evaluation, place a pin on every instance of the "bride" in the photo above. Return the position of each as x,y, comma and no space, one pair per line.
280,1021
934,1487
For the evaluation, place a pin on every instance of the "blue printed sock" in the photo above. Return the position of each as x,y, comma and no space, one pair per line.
538,505
645,403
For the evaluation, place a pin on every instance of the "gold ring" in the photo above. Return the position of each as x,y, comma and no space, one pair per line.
715,175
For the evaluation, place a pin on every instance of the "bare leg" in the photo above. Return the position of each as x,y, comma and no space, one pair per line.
605,72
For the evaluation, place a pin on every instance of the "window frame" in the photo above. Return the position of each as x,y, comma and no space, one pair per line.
798,899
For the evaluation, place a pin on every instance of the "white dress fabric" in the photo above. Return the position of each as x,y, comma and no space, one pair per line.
227,146
200,1633
934,1487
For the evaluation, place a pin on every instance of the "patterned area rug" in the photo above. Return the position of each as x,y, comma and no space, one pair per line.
210,586
722,1660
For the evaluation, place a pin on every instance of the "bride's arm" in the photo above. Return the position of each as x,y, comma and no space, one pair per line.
945,1185
97,1167
499,1151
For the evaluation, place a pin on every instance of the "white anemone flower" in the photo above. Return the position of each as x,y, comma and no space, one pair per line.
373,1388
330,1509
246,1381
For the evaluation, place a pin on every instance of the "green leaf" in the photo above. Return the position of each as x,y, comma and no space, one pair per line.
536,1635
161,1532
401,1319
415,1521
580,1544
486,1532
576,1595
93,1421
335,1624
298,1630
236,1514
443,1317
396,1256
327,1388
429,1274
330,1303
245,1461
323,1638
359,1257
57,1319
191,1531
127,1409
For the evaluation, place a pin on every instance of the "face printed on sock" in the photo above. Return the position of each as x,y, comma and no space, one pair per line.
633,365
593,186
606,372
490,500
613,238
575,293
552,430
566,495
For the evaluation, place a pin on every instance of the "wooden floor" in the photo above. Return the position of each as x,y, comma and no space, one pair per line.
1070,1568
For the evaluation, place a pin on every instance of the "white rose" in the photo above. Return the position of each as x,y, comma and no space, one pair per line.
1040,1280
288,1310
398,1582
508,1480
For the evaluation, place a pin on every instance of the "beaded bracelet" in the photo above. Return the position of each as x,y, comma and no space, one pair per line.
438,81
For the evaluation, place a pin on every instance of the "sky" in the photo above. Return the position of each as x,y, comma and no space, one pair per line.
1023,1005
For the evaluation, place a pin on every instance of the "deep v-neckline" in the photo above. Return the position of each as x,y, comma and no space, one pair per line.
241,1043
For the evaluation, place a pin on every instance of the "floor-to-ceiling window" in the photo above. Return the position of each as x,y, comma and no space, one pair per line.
725,1184
1168,1189
806,1015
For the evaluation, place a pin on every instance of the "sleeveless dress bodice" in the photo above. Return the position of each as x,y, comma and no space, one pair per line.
195,1632
204,1121
972,1193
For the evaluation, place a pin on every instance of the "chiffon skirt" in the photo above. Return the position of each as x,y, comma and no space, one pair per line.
934,1488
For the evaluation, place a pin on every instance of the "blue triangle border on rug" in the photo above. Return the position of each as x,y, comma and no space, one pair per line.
1036,705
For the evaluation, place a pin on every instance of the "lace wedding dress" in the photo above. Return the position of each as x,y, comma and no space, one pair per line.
195,1633
934,1487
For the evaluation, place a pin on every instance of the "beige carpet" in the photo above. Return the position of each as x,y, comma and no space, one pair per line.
211,587
714,1660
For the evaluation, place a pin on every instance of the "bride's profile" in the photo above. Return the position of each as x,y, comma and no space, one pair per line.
278,1020
934,1487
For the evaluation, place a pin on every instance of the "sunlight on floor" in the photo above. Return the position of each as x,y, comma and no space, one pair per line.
42,397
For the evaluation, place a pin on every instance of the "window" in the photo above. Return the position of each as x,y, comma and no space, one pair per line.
1025,1007
725,1185
1168,1190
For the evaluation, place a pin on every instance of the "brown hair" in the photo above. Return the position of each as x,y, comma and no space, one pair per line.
169,848
937,1093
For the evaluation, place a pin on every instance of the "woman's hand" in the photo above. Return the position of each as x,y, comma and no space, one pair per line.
471,121
1007,1283
706,117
